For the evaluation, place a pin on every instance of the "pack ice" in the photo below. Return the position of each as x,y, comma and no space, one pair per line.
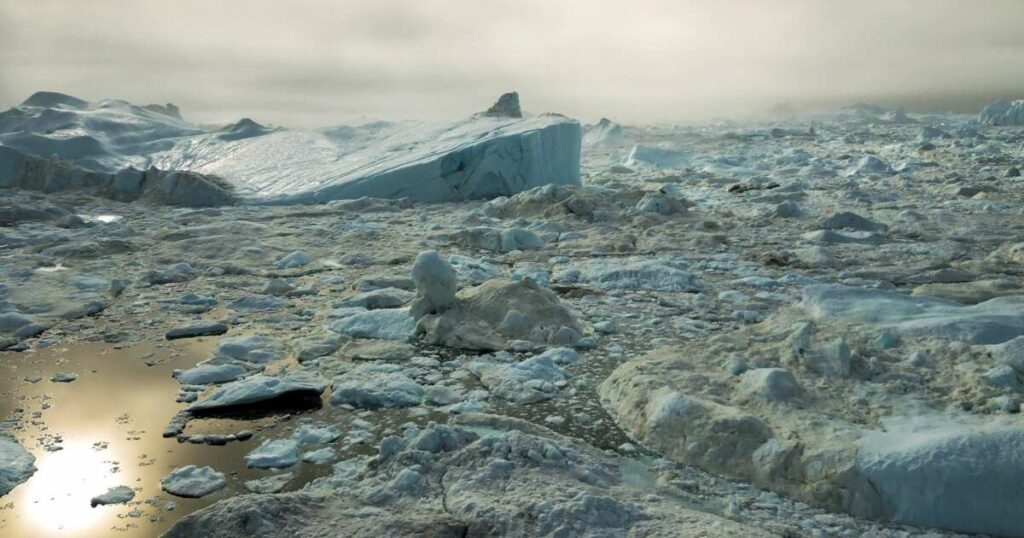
54,141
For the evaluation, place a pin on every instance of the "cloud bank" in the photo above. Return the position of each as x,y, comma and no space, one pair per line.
318,62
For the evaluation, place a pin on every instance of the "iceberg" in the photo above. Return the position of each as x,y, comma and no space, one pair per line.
55,142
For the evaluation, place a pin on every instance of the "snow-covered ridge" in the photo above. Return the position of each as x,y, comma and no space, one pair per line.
478,157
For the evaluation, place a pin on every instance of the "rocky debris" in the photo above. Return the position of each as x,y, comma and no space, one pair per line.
114,495
193,482
16,464
806,405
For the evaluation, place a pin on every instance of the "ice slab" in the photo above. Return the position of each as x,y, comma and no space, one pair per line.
991,322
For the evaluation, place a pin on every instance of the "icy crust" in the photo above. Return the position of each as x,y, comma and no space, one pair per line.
449,481
95,144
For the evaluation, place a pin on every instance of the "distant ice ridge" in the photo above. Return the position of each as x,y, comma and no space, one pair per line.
483,156
1003,112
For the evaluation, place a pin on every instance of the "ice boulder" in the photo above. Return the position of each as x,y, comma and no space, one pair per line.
1003,112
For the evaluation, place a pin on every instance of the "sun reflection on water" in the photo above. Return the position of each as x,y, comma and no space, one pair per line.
57,496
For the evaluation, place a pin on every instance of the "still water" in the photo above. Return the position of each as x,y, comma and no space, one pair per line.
108,425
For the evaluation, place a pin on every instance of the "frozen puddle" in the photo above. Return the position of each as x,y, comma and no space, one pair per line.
103,430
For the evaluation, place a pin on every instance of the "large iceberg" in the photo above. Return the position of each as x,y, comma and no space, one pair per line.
106,143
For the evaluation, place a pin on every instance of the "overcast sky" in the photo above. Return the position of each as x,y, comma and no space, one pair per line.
319,62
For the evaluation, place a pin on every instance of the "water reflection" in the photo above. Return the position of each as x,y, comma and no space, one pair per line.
57,497
107,425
